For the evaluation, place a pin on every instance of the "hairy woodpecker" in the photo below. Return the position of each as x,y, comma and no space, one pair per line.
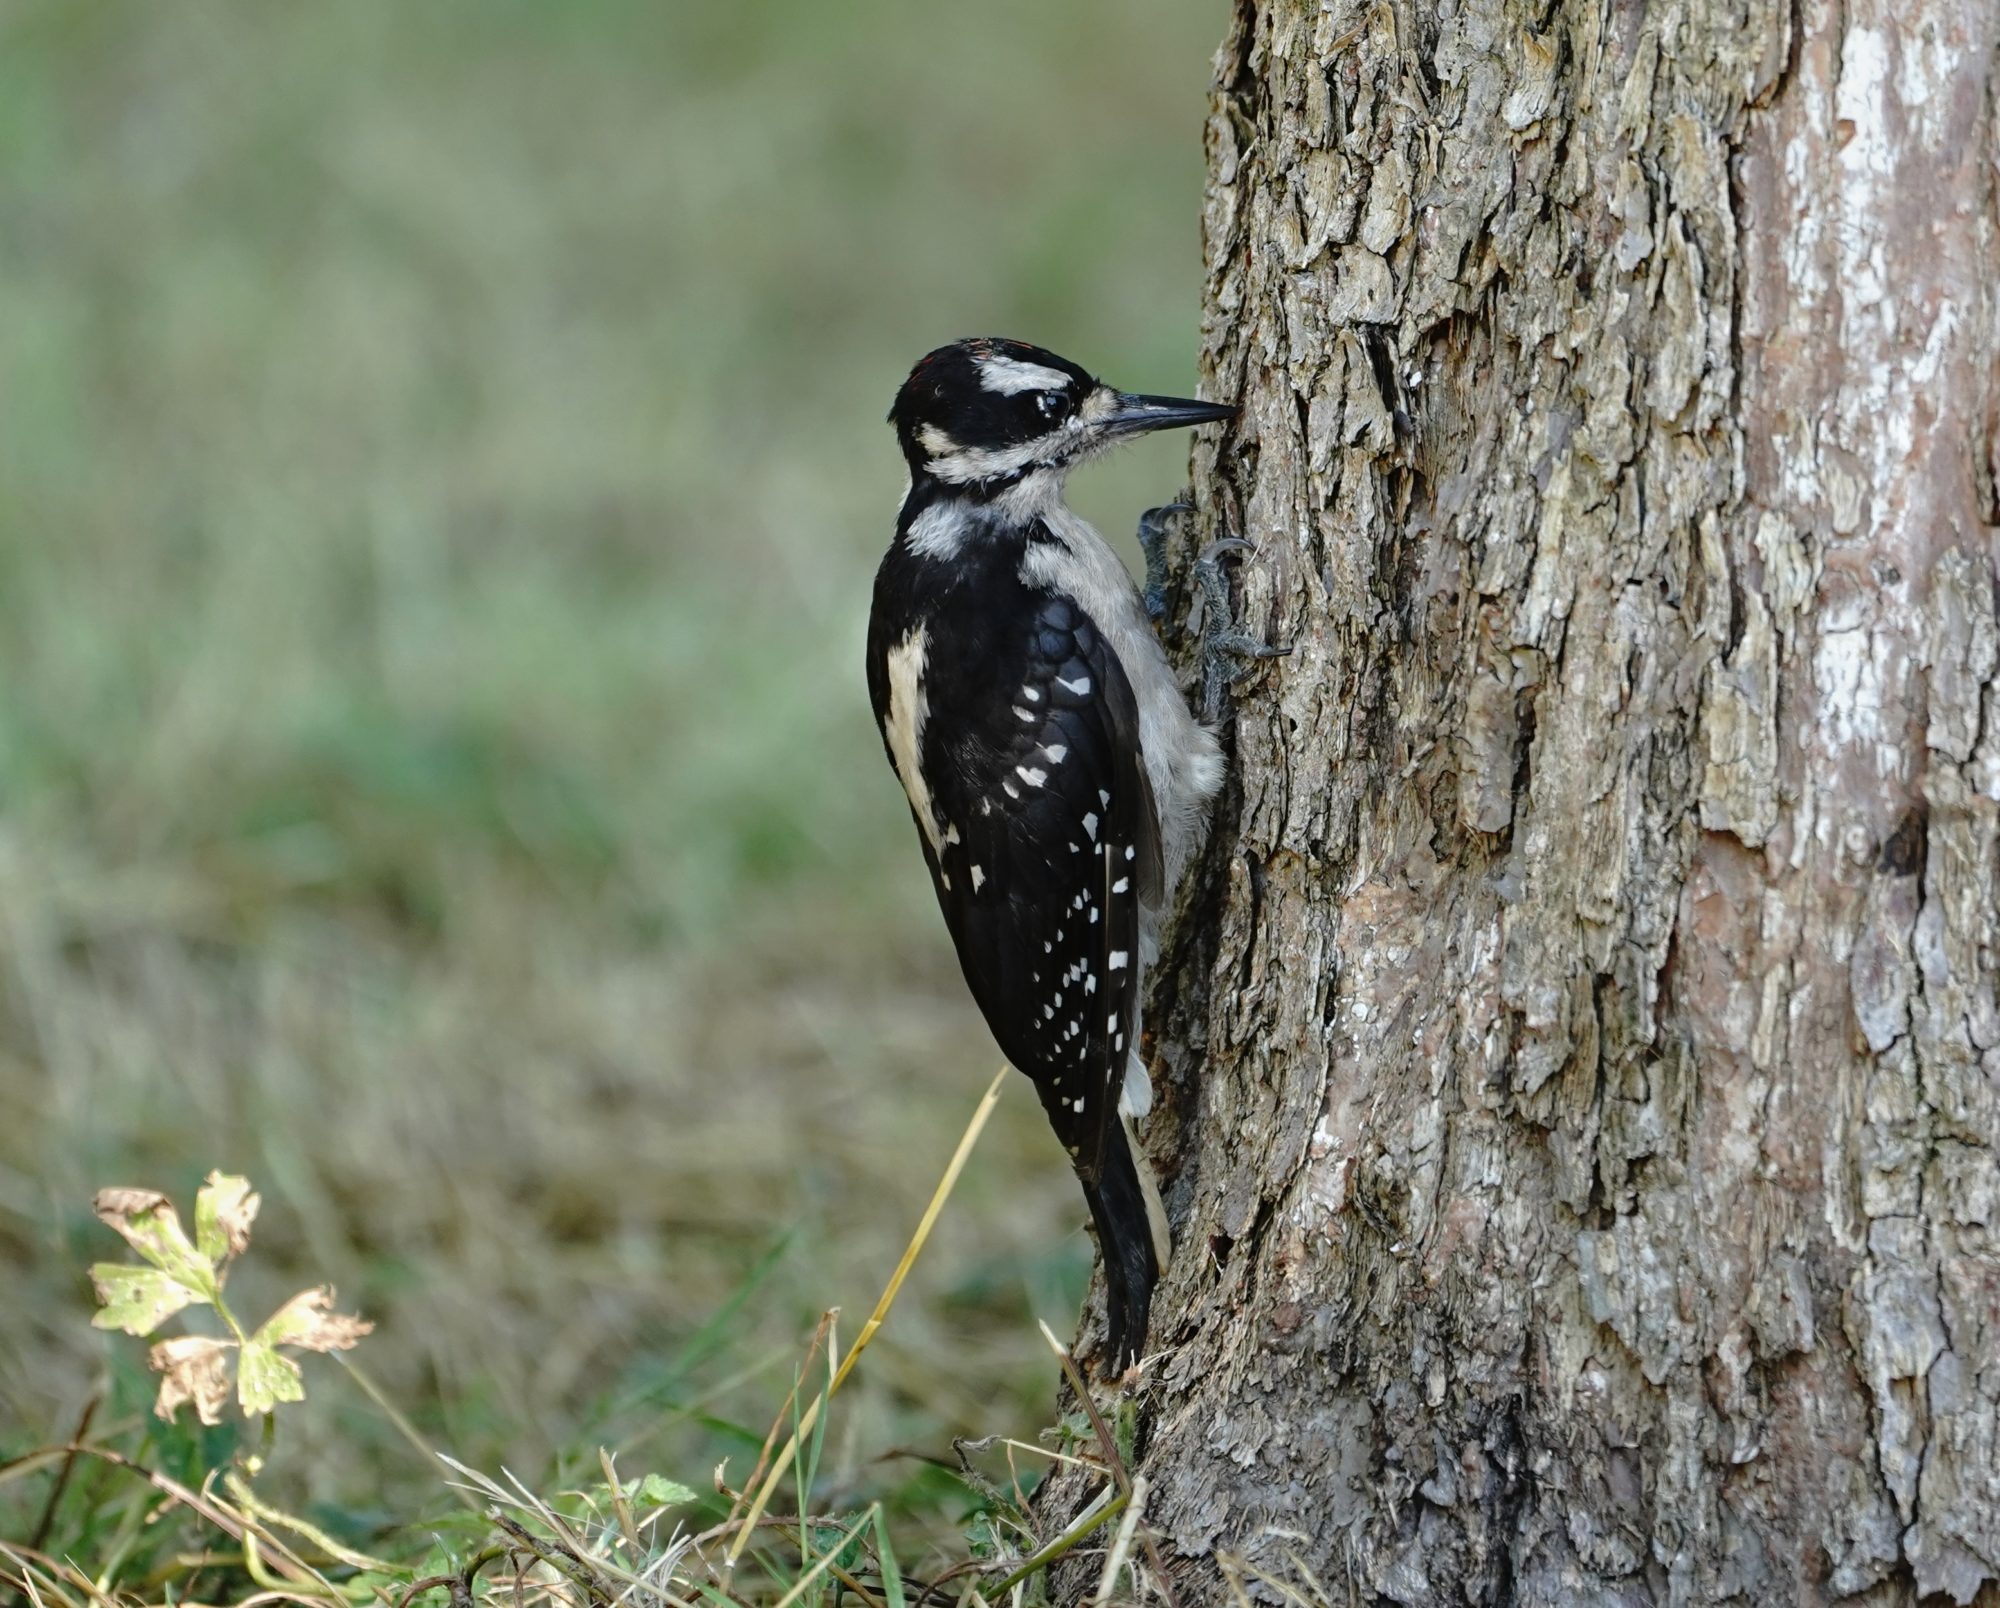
1058,781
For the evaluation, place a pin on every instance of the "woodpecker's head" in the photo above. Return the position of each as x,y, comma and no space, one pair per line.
986,414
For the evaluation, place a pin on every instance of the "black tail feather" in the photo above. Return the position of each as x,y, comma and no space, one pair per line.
1125,1238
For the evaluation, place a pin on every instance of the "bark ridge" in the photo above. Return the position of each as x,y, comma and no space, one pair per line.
1582,1053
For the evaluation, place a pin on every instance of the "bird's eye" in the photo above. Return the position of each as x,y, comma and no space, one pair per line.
1051,403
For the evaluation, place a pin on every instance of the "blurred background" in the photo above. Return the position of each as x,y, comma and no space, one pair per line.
442,471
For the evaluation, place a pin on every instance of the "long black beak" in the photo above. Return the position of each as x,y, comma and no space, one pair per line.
1138,414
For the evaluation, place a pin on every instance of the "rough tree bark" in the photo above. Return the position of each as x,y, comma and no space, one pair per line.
1581,1061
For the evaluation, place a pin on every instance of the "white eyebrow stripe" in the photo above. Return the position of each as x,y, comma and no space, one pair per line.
1009,376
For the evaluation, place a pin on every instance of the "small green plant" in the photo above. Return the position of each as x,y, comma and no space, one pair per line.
181,1272
140,1513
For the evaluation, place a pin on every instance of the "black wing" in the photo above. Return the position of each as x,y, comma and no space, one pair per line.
1048,841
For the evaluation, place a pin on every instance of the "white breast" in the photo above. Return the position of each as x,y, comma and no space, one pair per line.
1182,758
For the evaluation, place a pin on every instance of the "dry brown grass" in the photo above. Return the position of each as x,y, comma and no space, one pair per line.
441,472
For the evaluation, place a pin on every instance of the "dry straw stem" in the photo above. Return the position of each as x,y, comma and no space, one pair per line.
1128,1494
249,1529
1121,1543
1100,1511
789,1409
875,1319
826,1559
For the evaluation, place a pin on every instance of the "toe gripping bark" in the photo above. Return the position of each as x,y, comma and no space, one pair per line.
1223,643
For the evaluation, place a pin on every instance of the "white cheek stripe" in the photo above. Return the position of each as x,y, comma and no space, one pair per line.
956,465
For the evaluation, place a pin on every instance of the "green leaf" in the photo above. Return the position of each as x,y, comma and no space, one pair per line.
136,1299
265,1377
223,1212
656,1490
892,1574
982,1537
841,1536
384,1586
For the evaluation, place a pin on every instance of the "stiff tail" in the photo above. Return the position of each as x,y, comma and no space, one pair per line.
1132,1235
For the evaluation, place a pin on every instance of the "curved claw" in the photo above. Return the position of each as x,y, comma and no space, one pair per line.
1152,523
1222,640
1153,543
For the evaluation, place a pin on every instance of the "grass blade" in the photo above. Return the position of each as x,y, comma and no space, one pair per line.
875,1319
892,1574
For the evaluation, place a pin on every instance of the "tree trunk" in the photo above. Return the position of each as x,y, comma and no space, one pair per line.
1580,1052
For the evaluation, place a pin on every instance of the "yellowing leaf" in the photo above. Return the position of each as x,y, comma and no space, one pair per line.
196,1369
265,1377
223,1212
136,1299
122,1203
152,1228
307,1321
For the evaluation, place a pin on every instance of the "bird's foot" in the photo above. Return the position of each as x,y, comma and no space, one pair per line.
1153,543
1223,644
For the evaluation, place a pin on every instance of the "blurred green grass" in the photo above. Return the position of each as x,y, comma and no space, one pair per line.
441,474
